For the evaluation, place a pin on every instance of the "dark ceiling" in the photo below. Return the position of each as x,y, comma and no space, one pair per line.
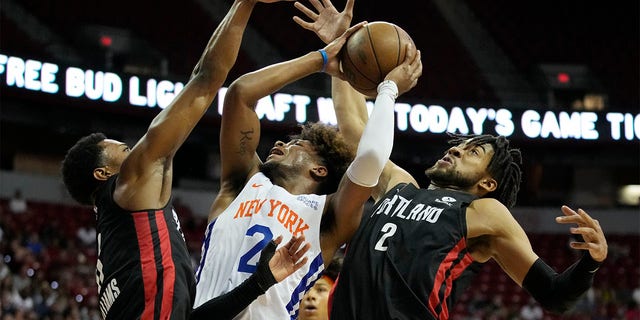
603,36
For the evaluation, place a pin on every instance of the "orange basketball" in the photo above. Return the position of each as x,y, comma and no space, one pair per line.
371,52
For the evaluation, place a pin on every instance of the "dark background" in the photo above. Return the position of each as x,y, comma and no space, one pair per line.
601,36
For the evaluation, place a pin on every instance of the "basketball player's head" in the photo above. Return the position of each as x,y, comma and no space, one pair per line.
314,304
318,150
89,163
484,165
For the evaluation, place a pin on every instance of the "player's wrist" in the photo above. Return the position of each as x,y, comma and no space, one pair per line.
388,87
325,59
263,275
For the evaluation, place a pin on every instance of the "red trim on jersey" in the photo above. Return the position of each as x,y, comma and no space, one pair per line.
456,271
169,269
330,298
147,262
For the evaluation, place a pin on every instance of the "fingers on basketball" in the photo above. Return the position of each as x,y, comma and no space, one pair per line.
372,52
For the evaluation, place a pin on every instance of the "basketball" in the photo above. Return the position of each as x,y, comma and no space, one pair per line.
371,52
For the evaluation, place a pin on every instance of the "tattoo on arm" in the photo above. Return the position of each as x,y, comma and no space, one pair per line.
246,136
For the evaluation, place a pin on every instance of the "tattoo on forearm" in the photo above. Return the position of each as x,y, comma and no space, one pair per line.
244,139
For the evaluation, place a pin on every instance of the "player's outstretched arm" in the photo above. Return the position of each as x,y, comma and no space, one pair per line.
148,168
559,292
556,292
273,267
240,130
374,149
328,24
172,125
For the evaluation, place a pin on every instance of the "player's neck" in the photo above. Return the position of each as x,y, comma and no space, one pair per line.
434,186
293,183
298,185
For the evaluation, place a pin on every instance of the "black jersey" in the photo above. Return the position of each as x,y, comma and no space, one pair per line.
408,259
144,270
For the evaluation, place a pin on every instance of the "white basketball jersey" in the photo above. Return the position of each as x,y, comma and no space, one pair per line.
233,243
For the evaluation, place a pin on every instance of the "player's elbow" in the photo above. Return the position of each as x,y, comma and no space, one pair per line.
372,157
235,95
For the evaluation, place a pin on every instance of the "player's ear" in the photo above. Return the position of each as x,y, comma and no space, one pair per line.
488,184
319,172
102,173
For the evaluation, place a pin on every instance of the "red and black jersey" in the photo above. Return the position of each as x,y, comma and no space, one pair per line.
408,259
144,270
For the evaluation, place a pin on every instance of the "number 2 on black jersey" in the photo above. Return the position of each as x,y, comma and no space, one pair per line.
388,230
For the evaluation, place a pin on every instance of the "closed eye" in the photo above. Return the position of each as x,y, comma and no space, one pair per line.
300,142
477,149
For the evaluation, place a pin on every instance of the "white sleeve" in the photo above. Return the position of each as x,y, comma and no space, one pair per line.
376,142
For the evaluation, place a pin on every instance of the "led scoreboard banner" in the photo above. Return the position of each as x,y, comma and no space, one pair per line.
71,82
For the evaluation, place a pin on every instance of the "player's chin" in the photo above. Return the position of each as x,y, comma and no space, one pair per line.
309,313
271,158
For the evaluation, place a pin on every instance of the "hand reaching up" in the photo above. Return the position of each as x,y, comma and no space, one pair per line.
286,260
327,22
589,229
406,74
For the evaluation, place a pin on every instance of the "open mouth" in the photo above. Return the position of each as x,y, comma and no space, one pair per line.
309,309
276,151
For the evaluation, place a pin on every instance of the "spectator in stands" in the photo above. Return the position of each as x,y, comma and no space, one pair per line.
497,308
633,311
22,299
586,305
4,269
418,248
531,310
34,244
18,204
86,235
144,268
315,303
478,304
635,294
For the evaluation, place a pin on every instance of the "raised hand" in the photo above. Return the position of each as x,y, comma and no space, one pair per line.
333,50
407,73
589,229
286,259
271,1
327,22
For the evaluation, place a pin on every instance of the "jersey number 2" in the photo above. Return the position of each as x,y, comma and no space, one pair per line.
388,230
244,265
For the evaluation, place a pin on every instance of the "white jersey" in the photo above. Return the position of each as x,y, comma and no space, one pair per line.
233,242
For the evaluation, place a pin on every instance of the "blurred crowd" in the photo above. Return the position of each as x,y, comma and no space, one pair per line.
48,255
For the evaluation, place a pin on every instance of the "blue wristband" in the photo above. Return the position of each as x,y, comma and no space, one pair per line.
325,59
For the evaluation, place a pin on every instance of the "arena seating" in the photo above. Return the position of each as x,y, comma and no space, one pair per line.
65,261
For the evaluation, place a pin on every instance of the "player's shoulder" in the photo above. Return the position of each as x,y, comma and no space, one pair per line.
488,216
488,208
489,204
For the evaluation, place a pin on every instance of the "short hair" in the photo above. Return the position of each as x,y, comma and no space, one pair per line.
78,166
333,269
335,153
504,165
